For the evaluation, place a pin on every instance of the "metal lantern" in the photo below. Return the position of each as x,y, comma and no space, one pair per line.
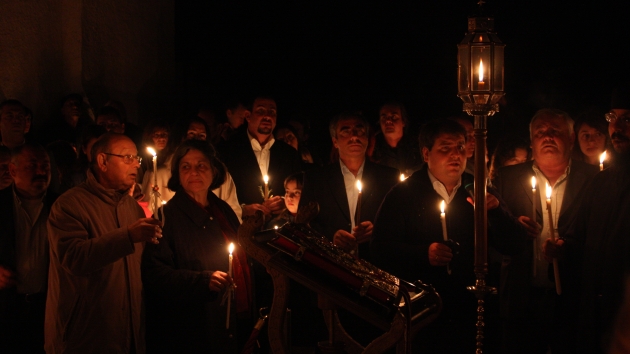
480,86
480,67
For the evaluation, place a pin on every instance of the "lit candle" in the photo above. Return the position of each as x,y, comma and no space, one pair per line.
602,157
535,241
266,193
229,290
444,233
481,85
357,219
402,177
556,270
155,186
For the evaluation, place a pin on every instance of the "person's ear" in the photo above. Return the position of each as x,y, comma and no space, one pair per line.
334,140
425,154
101,161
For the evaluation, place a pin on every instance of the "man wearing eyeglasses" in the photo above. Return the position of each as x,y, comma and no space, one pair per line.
97,233
596,246
534,315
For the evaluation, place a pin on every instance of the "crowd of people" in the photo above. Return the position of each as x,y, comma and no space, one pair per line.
106,247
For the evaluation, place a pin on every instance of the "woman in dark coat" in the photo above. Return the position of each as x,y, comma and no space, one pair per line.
185,275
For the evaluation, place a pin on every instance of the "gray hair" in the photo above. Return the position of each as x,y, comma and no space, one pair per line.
552,112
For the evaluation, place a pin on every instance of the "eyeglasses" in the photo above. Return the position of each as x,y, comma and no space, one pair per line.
128,159
611,117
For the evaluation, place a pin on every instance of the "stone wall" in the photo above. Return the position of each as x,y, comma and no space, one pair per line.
117,49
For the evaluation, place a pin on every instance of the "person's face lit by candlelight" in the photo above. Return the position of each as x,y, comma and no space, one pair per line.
160,138
195,173
351,138
262,120
552,138
592,142
447,158
391,121
196,131
619,129
292,196
470,136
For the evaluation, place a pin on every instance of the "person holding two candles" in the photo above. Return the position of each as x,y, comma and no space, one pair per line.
408,238
536,317
595,248
186,274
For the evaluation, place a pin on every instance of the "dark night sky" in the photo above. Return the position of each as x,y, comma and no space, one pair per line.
318,59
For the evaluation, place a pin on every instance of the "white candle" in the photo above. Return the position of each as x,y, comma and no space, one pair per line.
229,290
444,232
266,193
556,270
535,241
357,220
155,186
602,157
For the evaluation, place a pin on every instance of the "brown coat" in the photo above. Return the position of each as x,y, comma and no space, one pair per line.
94,300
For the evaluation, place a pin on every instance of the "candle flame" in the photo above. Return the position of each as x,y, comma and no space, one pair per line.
266,179
359,186
548,190
602,157
151,151
276,227
163,202
442,206
231,248
533,182
402,176
480,70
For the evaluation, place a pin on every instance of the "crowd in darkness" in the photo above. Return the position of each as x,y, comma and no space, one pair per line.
107,247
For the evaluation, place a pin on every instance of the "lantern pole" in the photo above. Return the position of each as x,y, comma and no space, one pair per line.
480,86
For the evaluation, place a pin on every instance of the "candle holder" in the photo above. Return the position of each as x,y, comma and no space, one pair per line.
480,86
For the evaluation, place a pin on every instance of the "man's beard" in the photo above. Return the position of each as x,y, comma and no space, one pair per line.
266,131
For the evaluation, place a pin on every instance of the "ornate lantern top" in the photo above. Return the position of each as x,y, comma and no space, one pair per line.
480,67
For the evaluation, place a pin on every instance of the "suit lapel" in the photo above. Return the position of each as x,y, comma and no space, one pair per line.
338,187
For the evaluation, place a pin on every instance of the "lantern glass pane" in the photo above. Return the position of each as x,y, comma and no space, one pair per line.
497,78
463,63
481,61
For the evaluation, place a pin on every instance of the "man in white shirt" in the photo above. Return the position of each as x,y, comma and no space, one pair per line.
528,295
408,238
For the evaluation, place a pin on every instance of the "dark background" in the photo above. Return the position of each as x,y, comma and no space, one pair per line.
318,59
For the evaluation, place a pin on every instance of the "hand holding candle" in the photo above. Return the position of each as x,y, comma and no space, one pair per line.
444,232
556,270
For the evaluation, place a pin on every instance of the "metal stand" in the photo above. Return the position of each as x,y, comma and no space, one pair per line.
480,289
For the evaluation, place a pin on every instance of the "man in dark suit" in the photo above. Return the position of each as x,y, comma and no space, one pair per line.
533,321
334,187
253,153
408,235
24,209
